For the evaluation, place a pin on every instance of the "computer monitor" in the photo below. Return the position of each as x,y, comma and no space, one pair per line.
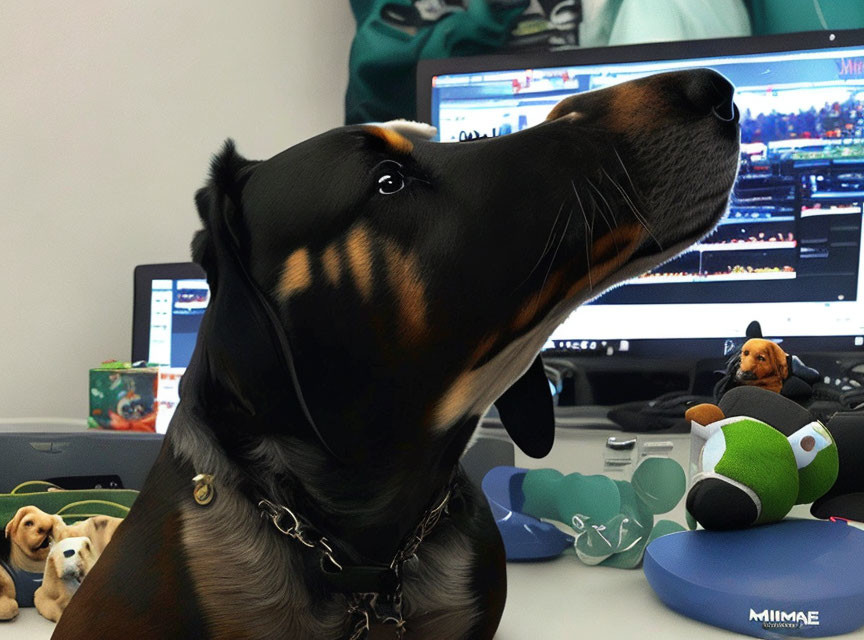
789,251
169,303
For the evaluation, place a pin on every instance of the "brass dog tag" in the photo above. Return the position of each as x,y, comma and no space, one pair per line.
204,491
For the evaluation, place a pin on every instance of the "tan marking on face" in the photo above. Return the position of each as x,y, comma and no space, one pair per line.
483,348
474,390
396,142
636,107
536,304
403,274
608,254
296,274
331,261
462,391
453,404
609,246
359,249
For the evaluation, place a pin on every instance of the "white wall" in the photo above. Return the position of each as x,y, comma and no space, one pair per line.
109,112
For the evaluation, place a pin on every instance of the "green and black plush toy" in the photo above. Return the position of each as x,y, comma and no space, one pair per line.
762,454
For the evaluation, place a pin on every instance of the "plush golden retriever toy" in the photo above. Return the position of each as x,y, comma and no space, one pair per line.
22,561
69,561
763,364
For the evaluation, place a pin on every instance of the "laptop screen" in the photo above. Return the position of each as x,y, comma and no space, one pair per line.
170,300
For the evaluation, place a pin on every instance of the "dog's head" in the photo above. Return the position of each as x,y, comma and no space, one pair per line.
30,531
404,285
99,530
70,559
762,360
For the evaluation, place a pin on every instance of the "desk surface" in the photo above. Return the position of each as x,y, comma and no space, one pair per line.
559,599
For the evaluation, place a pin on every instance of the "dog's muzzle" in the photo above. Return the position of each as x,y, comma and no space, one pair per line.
699,91
710,92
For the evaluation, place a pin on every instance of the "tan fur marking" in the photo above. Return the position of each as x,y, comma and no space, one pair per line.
403,273
459,395
359,249
461,392
483,348
637,107
609,253
297,273
536,304
332,263
395,141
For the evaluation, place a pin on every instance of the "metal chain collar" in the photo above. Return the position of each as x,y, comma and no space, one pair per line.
363,608
279,513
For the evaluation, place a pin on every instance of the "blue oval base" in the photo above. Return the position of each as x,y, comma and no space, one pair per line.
802,578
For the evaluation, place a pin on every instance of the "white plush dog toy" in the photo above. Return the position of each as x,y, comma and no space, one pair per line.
69,561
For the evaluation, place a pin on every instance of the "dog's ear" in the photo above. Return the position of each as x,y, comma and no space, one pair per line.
781,360
249,381
58,528
56,562
87,553
12,525
218,205
527,412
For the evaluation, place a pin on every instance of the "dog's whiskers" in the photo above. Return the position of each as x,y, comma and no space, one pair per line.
597,210
636,213
549,242
602,198
626,173
640,218
588,234
588,248
552,261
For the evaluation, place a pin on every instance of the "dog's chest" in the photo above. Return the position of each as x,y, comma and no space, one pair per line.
251,580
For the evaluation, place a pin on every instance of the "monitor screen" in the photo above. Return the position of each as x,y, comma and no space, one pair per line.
789,251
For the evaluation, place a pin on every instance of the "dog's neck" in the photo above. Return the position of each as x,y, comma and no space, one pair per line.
20,560
365,510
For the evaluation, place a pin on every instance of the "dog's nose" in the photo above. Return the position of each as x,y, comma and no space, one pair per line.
710,92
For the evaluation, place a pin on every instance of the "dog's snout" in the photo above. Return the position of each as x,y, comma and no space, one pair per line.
710,92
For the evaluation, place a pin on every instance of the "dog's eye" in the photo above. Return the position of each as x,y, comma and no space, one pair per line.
746,353
28,524
761,358
389,178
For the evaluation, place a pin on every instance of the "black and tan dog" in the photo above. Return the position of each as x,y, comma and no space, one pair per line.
372,294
